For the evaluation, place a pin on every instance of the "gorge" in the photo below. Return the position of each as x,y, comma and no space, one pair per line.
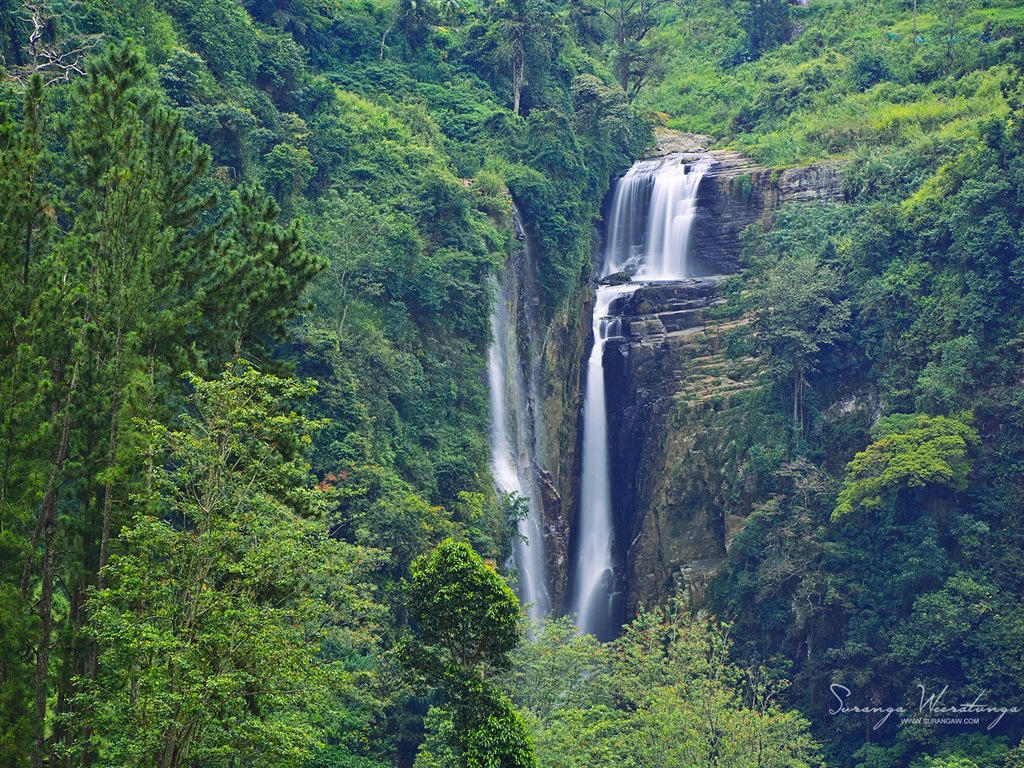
624,504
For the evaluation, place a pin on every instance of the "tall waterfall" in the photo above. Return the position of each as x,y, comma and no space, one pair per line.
648,231
595,570
512,378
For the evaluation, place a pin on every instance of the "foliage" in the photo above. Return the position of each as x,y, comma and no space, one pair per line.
909,451
223,590
467,620
662,694
132,253
766,23
796,312
638,54
129,255
790,82
925,378
463,608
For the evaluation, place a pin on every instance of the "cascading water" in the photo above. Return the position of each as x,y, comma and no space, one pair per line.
650,218
512,380
595,570
649,224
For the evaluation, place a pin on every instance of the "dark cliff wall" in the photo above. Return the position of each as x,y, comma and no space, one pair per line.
566,340
673,396
670,389
734,194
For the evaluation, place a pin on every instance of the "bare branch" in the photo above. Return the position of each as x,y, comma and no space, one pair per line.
59,60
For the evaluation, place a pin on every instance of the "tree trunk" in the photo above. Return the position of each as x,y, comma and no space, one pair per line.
796,396
108,493
391,26
48,516
518,76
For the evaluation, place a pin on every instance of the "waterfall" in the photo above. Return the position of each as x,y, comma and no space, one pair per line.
650,218
512,377
594,592
649,223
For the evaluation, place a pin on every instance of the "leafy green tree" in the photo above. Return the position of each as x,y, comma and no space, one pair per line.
637,56
224,588
766,23
463,609
951,33
910,451
945,384
966,635
468,622
288,170
523,31
413,17
663,694
797,311
552,669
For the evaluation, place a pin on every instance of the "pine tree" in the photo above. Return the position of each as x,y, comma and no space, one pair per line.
116,282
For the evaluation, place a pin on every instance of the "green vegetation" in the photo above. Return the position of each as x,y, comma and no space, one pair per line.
205,561
246,511
663,694
882,542
467,619
213,629
911,452
789,83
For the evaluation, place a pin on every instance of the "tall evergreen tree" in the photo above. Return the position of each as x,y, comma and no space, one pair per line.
114,284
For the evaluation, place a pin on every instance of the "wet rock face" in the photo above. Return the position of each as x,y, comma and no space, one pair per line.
562,353
550,351
669,535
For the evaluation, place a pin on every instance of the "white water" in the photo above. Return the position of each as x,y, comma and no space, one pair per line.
513,441
650,219
595,568
648,232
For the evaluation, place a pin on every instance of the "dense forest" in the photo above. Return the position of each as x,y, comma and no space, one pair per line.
247,514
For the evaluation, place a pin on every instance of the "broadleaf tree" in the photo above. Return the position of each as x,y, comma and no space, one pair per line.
468,621
224,587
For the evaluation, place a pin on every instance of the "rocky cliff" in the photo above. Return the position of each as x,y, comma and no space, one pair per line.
670,387
564,350
673,396
735,194
676,402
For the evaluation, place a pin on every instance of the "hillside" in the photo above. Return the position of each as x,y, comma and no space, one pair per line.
249,255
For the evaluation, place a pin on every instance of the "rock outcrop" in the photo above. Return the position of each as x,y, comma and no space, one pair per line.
735,193
664,373
565,341
551,350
